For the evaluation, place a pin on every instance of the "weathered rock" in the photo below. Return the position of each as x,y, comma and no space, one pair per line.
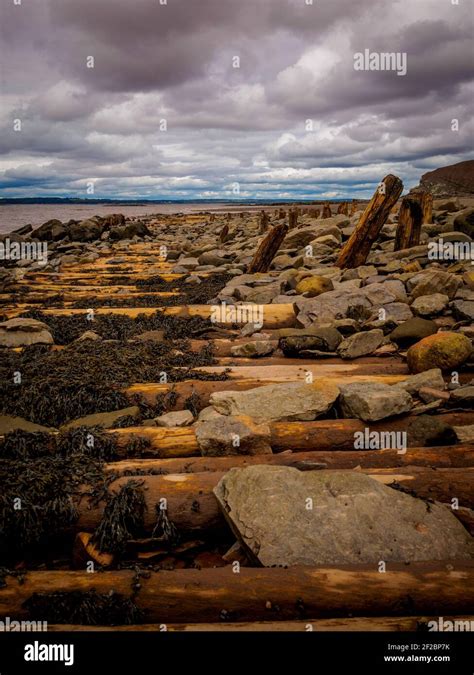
253,350
330,306
429,430
106,420
412,331
463,310
86,230
373,401
353,519
430,305
175,418
429,378
131,230
464,222
313,286
52,230
232,435
360,344
278,402
321,339
89,335
23,332
9,423
444,350
434,281
463,396
465,434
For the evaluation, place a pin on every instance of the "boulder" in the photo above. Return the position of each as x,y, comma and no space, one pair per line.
106,420
282,516
412,331
23,332
463,397
330,306
430,305
360,344
134,229
313,286
9,423
290,402
429,378
254,350
434,281
445,350
463,310
52,230
87,230
464,222
372,401
322,339
175,418
232,435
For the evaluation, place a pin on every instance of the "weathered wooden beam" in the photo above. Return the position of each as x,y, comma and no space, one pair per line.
409,224
266,594
450,456
268,248
358,247
406,624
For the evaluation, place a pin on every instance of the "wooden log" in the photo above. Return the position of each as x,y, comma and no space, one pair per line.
322,435
451,456
267,594
268,248
357,248
409,224
406,624
425,200
193,508
274,316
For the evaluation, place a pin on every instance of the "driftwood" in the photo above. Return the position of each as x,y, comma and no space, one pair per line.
409,223
268,249
257,594
263,223
358,246
292,218
224,234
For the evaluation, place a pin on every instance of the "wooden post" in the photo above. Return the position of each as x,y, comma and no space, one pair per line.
343,209
281,214
224,234
409,223
358,246
316,213
327,213
264,222
354,207
425,199
292,218
268,249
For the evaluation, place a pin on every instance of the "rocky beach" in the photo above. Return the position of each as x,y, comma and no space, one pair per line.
280,397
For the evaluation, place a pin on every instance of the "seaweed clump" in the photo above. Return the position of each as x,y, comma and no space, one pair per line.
123,517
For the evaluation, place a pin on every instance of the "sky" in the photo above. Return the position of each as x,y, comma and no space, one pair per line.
229,99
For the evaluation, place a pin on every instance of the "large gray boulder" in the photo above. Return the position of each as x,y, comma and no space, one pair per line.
290,402
330,306
372,401
282,516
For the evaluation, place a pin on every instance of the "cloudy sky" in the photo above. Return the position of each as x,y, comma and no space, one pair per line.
164,112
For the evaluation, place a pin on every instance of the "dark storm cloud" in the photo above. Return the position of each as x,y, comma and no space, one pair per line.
226,125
